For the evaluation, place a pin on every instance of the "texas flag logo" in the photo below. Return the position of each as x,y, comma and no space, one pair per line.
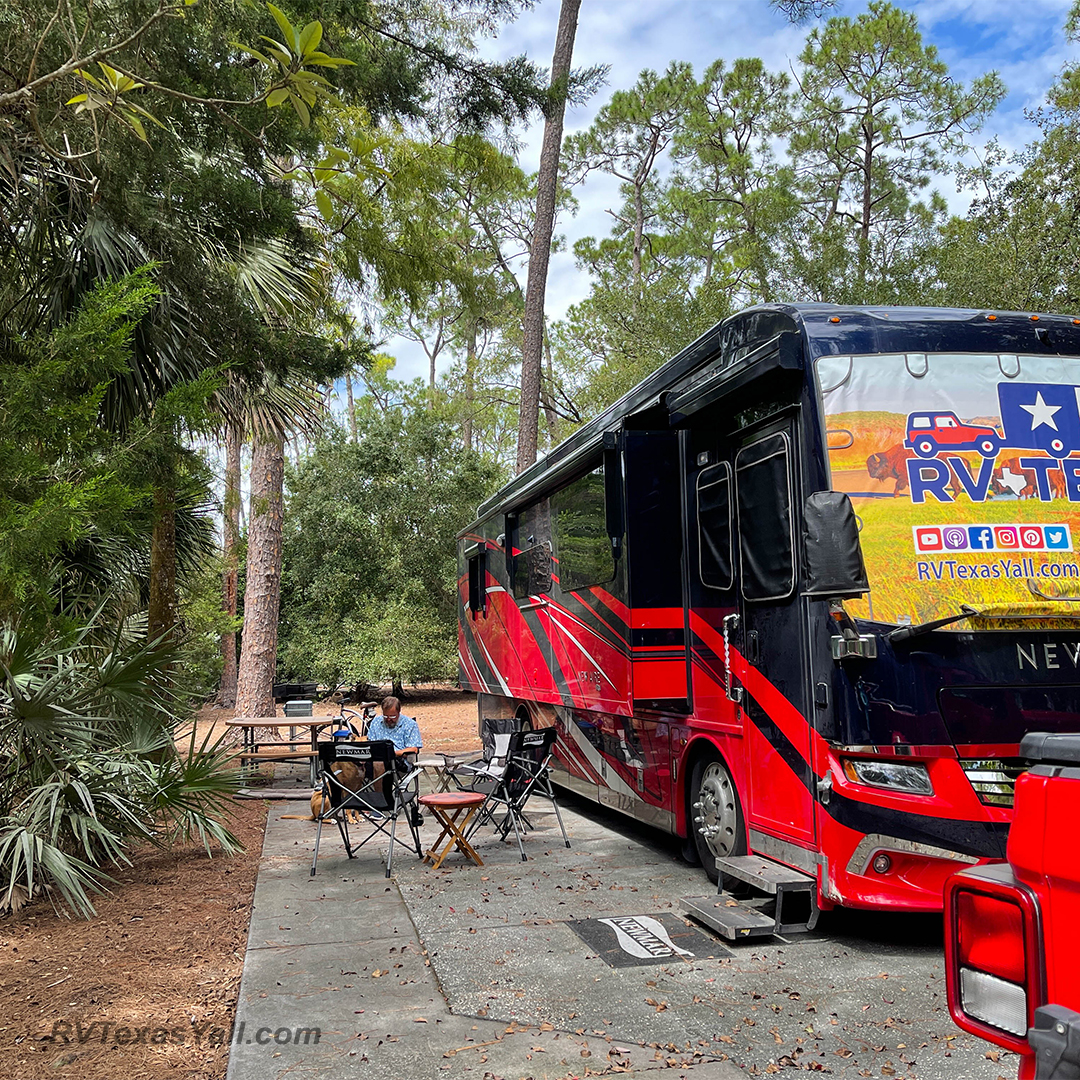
1041,416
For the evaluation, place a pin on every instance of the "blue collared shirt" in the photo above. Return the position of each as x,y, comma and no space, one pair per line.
404,733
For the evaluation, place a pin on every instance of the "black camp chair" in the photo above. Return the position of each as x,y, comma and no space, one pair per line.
482,773
527,774
379,797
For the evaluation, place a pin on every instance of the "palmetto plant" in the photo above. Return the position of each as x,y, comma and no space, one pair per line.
90,765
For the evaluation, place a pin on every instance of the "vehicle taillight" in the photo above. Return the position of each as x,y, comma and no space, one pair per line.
991,936
992,964
993,954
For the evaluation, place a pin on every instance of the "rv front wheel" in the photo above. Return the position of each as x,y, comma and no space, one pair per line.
715,815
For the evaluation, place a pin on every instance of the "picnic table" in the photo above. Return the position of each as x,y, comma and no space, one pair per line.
260,749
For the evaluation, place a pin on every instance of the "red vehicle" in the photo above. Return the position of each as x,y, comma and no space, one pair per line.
740,629
1012,931
928,433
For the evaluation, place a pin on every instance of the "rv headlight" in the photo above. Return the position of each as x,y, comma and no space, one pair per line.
912,779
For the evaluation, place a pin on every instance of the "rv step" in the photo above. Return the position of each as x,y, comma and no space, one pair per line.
796,908
764,874
730,918
786,900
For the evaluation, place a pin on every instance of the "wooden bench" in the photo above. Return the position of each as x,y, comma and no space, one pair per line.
279,755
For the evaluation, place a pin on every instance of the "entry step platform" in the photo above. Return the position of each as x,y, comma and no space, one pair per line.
781,900
729,917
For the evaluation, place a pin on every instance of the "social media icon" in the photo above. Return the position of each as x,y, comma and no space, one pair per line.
1031,537
981,538
956,538
1005,537
1057,538
928,539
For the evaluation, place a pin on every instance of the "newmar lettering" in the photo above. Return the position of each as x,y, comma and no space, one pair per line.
1048,655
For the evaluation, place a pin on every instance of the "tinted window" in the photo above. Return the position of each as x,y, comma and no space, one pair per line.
714,526
766,548
477,583
532,550
582,543
654,519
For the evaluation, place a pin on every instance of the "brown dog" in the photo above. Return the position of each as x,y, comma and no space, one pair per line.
348,776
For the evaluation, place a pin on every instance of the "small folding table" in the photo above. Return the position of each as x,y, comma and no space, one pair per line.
449,808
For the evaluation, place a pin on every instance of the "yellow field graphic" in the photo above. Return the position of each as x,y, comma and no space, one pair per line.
908,585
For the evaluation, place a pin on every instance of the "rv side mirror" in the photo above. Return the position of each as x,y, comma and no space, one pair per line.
834,561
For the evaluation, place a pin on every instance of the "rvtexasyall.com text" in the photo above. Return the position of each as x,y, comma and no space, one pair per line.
109,1033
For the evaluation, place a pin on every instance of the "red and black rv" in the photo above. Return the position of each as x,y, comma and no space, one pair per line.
768,614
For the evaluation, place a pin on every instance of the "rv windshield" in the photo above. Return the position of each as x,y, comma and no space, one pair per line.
964,470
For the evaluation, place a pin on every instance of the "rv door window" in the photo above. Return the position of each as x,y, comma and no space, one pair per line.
766,538
532,550
582,544
714,526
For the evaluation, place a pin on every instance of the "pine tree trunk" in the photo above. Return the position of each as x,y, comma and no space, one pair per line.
230,572
540,251
161,615
262,591
352,405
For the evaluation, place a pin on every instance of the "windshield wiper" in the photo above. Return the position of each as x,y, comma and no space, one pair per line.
902,633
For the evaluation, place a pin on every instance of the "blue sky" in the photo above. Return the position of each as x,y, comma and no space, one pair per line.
1021,39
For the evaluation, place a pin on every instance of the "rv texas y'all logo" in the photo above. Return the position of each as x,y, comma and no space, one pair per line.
1034,416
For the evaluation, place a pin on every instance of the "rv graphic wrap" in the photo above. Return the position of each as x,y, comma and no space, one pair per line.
965,481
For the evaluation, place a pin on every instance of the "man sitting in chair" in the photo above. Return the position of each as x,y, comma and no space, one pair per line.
402,731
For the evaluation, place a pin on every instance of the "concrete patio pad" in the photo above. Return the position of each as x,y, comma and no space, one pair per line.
483,972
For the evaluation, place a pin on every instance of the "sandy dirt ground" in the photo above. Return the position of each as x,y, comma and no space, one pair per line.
447,716
147,989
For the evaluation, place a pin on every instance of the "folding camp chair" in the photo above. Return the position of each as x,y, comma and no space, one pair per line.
527,773
481,774
377,795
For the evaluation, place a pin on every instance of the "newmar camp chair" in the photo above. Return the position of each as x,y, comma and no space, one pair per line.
481,774
527,774
373,788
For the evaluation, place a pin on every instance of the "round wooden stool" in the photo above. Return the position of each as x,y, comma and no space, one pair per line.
448,807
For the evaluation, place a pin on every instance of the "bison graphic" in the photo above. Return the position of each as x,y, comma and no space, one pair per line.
891,464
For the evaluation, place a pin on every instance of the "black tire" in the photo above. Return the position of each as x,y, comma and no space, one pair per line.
689,851
715,814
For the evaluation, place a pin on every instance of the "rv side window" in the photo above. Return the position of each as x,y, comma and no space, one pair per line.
714,526
532,550
766,539
477,582
582,544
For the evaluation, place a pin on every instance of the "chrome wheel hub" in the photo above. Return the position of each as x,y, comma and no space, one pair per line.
715,811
